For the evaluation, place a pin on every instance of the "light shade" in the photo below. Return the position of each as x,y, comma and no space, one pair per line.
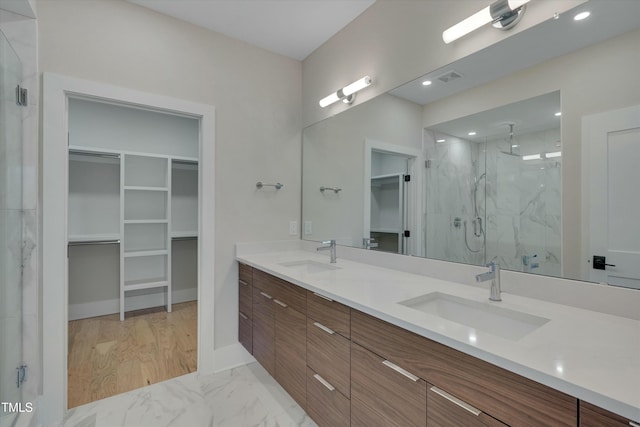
497,11
346,91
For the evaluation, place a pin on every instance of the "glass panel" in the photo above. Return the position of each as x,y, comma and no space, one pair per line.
10,226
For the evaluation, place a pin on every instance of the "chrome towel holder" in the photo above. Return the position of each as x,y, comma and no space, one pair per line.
260,184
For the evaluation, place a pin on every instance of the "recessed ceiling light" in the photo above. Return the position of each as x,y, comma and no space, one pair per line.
553,154
558,114
515,146
440,140
582,15
426,83
472,133
532,157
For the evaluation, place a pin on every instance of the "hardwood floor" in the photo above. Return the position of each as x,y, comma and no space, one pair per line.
107,357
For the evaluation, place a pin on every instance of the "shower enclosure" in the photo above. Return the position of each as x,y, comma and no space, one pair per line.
494,196
10,235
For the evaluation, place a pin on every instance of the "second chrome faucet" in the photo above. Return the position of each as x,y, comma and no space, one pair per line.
331,247
494,275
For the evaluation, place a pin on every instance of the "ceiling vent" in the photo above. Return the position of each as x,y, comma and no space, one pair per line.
449,76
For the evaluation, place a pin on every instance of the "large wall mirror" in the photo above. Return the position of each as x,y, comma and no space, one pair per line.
487,164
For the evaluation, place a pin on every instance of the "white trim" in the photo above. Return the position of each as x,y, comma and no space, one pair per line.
231,356
56,91
134,302
415,199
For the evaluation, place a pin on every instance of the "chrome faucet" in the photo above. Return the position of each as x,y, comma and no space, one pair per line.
494,275
331,247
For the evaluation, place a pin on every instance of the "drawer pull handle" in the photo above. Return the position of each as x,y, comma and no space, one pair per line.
280,303
323,297
324,328
632,424
244,316
455,400
242,282
267,296
401,371
324,382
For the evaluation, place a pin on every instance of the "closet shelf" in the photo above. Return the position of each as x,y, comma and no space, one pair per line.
184,234
140,188
134,285
146,221
74,238
135,254
385,230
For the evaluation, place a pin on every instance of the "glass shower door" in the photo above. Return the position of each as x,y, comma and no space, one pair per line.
10,233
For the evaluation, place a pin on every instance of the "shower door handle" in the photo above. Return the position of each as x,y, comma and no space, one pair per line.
599,263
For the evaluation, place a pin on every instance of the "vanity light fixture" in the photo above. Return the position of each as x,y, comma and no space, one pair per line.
532,157
504,14
347,93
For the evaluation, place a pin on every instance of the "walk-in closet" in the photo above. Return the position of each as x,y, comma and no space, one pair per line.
132,247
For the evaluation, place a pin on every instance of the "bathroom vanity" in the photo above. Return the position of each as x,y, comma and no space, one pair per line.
357,344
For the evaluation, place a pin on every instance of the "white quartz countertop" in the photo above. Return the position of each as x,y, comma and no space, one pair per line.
589,355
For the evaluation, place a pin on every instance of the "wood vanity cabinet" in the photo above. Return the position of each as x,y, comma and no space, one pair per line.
593,416
328,361
383,393
245,306
506,396
280,332
446,410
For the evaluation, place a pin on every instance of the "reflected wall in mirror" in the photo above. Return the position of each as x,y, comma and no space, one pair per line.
532,219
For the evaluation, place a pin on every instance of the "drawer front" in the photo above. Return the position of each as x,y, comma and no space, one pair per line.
264,331
382,396
504,395
285,292
291,353
328,408
245,298
445,410
330,313
245,332
594,416
329,354
245,273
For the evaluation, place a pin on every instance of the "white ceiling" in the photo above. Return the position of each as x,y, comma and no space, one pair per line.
293,28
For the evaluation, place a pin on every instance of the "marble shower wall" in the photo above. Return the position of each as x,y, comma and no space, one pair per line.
518,201
21,32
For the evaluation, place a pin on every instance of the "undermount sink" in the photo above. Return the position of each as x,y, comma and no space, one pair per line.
487,317
309,266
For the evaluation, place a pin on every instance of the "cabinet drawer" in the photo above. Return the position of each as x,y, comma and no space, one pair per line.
446,410
381,396
329,354
264,330
330,313
281,290
291,353
245,332
245,299
593,416
504,395
328,408
245,273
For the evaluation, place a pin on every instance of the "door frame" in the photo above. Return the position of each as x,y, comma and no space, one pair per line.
57,90
595,128
415,190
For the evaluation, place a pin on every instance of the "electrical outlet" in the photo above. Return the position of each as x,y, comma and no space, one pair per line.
307,228
293,228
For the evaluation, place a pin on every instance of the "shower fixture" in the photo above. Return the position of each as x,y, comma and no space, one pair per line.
511,144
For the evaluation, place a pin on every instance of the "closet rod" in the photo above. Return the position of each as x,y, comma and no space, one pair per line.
184,238
95,242
95,154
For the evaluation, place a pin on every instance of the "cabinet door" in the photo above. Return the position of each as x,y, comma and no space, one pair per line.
382,394
593,416
331,314
325,405
445,410
291,352
329,354
245,331
245,307
264,330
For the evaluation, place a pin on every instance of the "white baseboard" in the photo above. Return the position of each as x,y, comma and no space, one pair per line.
231,356
137,302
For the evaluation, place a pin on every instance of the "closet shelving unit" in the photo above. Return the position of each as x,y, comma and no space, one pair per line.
387,208
129,200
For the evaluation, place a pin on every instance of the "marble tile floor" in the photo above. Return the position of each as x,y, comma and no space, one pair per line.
243,396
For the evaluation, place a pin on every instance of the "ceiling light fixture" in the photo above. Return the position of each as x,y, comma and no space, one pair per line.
553,154
558,114
472,133
582,15
504,14
426,83
440,140
347,93
532,157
